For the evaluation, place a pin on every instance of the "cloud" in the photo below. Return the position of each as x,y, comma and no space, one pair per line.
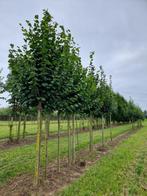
116,30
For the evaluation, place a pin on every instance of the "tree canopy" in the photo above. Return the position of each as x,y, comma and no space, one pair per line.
47,72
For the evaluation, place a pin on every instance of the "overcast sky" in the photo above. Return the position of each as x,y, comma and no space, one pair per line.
115,29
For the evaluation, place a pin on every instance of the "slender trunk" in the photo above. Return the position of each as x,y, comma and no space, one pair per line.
18,131
137,124
97,123
132,125
90,134
140,123
80,126
98,126
92,131
47,127
24,126
73,139
102,130
83,124
11,127
38,145
77,132
110,129
58,164
69,142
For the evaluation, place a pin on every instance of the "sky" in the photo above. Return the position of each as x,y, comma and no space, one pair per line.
115,29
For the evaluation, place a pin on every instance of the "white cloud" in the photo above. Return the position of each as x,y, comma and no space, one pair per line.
116,30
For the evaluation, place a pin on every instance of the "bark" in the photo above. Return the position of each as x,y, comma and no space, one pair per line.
140,123
132,125
24,126
11,128
38,145
47,128
69,142
83,124
92,132
19,127
48,124
102,130
110,129
73,139
77,133
58,164
90,135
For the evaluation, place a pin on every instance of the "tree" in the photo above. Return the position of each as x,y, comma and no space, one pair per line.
37,66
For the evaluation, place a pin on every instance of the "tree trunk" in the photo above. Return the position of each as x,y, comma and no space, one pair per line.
90,135
24,126
10,133
38,145
73,139
69,142
77,133
58,164
92,131
47,128
132,125
102,130
140,123
18,131
83,124
110,129
48,124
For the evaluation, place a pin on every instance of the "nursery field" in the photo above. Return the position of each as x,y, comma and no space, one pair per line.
68,131
122,172
20,160
31,127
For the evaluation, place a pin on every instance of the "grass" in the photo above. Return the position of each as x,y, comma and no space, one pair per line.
122,172
21,159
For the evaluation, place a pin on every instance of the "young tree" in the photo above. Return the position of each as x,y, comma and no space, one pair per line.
36,71
103,97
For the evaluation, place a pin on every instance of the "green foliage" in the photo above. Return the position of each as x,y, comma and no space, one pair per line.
145,114
126,111
47,72
5,111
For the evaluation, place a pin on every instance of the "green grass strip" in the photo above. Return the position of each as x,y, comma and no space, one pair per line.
122,172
